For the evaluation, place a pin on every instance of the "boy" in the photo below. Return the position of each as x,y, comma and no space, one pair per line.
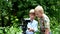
44,20
32,26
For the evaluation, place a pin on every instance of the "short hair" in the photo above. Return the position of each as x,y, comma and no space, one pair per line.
39,8
32,11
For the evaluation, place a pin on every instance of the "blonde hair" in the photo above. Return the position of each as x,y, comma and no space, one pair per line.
32,12
39,8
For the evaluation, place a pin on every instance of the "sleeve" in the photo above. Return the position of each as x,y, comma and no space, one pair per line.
36,27
47,22
28,25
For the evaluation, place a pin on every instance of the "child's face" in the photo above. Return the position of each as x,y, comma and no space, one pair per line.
31,16
38,14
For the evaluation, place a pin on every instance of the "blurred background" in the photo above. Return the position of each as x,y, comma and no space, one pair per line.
12,11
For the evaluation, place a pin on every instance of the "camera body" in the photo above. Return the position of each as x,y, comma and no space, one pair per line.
25,22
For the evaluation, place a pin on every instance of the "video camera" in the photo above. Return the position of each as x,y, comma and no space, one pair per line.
25,21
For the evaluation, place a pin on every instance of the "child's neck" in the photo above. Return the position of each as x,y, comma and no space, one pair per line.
31,19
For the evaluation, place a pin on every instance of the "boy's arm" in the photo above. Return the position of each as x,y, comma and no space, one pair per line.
35,27
29,28
47,25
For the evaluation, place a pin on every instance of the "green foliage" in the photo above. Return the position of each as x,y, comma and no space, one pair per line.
12,30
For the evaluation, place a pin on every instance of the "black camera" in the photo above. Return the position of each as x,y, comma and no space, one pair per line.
25,21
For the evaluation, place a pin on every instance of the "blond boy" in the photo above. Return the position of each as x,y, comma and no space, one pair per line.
44,20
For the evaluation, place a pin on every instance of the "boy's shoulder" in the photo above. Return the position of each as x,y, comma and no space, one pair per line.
46,18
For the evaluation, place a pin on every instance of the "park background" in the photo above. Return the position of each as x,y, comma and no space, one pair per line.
11,12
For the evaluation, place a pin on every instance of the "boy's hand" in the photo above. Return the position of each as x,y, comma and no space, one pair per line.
31,29
46,31
28,28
